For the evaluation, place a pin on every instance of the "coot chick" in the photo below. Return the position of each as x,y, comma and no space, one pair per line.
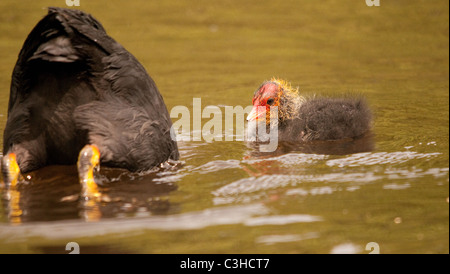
74,86
309,119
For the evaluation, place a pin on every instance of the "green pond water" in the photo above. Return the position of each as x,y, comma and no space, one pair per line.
226,197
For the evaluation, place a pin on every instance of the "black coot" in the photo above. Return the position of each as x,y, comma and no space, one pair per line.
74,85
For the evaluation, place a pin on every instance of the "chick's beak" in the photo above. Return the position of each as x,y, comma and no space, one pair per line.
258,113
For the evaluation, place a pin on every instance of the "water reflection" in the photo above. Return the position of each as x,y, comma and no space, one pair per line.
53,193
255,167
346,248
14,209
274,239
365,143
91,210
246,214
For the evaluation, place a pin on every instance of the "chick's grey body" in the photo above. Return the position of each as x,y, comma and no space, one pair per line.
327,119
74,85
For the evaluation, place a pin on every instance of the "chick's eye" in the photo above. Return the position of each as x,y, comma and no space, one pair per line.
270,101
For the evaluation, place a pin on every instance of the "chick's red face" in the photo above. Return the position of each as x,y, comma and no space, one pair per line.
265,97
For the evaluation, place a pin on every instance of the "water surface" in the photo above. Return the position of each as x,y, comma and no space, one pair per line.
391,187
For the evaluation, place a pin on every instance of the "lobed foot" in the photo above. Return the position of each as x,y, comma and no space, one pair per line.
10,170
88,161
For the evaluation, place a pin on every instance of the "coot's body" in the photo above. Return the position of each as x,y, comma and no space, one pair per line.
74,85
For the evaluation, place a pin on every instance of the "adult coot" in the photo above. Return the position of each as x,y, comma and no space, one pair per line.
308,119
75,87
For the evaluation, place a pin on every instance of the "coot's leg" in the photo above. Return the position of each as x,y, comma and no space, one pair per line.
10,170
11,176
22,157
88,161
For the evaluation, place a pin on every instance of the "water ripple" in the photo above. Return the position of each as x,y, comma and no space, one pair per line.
379,158
282,219
291,159
266,182
253,188
185,221
214,166
346,248
274,239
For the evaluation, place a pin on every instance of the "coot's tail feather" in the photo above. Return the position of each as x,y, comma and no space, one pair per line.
62,36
